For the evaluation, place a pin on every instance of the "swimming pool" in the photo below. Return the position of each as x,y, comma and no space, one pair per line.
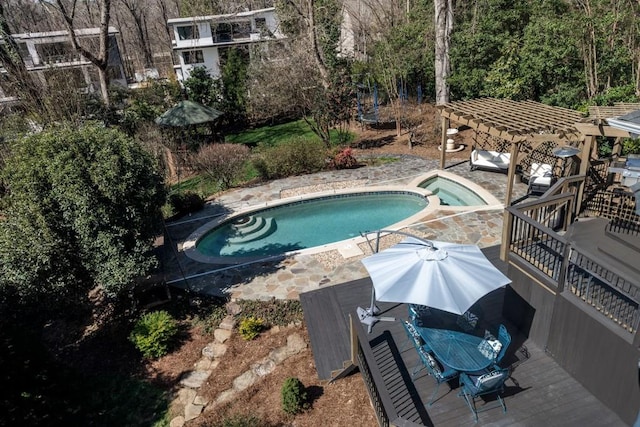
294,225
452,193
455,192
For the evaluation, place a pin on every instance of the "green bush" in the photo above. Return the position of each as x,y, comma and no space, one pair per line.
294,396
186,203
154,333
294,157
250,327
274,311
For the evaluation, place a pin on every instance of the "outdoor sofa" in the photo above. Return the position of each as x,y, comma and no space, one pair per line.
490,160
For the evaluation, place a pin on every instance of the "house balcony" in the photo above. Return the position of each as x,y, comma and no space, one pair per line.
66,60
222,39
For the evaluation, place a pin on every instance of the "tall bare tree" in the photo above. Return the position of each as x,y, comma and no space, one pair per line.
444,26
101,59
18,77
138,12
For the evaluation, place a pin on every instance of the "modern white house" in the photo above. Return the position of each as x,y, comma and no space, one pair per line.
48,53
201,41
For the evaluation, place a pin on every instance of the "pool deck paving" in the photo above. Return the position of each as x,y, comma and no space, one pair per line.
287,278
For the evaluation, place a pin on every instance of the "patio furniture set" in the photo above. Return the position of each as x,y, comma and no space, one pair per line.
448,352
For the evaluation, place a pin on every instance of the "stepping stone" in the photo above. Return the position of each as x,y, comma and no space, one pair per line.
227,323
295,343
221,335
279,354
205,364
192,411
200,400
226,396
194,379
244,380
177,421
214,350
186,395
264,368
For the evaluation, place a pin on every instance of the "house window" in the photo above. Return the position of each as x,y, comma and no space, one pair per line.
50,53
241,30
261,26
222,32
193,57
189,32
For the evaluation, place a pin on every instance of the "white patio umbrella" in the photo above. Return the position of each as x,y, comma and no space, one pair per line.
441,275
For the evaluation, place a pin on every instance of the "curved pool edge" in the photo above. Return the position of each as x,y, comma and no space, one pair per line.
492,203
190,250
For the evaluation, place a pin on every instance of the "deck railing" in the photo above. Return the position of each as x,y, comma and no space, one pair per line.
535,234
380,399
609,293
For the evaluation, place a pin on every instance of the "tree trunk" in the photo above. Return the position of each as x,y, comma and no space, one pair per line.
444,26
101,60
139,19
315,45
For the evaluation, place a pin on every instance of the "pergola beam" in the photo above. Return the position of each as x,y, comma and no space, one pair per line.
514,122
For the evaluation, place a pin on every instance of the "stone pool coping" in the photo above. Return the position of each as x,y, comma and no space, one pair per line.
492,202
344,246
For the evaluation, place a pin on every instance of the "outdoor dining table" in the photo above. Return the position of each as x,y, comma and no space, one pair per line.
457,350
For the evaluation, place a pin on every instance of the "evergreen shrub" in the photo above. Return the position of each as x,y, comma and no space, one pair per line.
154,333
294,157
250,327
294,396
186,203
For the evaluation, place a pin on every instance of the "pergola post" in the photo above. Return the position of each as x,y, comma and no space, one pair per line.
587,146
444,122
513,162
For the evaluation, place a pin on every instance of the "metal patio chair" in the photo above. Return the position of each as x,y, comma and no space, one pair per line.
474,386
439,371
412,336
505,340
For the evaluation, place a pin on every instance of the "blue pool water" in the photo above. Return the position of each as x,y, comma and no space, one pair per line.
452,193
309,223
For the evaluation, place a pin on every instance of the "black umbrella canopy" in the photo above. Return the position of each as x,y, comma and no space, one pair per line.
187,113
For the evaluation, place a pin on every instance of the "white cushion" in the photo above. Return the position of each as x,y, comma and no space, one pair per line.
435,368
496,345
490,379
540,180
541,170
492,159
486,349
412,330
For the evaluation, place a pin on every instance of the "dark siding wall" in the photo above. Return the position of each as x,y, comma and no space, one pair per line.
599,355
529,305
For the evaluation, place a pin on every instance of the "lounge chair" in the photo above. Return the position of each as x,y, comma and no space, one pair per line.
490,160
540,179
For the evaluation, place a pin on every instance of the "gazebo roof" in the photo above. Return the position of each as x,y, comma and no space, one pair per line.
515,121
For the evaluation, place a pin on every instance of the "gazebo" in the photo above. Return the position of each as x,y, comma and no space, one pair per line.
515,124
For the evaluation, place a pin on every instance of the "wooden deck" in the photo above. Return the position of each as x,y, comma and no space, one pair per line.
540,392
